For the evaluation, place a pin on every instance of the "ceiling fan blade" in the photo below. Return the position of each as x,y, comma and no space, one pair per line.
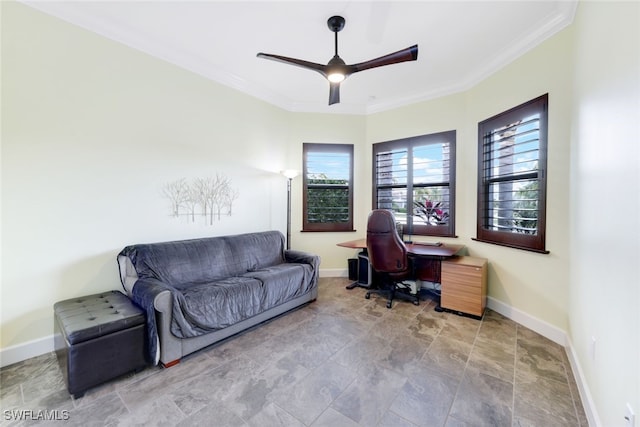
334,93
320,68
408,54
336,70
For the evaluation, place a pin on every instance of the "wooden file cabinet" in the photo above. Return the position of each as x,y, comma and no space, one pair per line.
464,285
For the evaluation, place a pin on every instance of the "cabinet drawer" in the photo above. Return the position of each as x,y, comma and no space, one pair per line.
463,288
466,305
468,272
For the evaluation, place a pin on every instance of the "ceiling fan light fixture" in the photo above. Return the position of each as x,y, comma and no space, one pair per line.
337,70
336,77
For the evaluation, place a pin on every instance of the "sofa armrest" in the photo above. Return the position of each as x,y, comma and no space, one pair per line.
153,295
291,255
302,257
152,292
163,302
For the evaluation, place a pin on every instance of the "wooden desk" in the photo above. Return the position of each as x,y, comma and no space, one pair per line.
427,258
417,249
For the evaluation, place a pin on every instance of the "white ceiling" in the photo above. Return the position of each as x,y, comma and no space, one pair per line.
460,43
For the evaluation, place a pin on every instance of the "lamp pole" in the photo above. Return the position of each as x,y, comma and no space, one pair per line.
290,174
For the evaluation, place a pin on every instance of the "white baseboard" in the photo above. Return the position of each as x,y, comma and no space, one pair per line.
334,272
545,329
581,382
27,350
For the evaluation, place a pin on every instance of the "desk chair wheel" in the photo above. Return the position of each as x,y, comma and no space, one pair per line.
367,295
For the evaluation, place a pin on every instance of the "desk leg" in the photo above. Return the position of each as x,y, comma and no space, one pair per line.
429,268
438,307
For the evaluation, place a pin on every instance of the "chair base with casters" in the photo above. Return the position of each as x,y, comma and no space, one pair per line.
395,289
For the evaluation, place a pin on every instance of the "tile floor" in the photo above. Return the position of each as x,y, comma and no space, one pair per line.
340,361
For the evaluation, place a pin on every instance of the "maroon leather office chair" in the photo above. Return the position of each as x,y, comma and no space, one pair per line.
388,257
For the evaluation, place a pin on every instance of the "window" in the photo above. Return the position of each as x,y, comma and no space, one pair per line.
415,178
327,187
512,162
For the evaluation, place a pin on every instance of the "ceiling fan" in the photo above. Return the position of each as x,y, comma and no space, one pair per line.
337,70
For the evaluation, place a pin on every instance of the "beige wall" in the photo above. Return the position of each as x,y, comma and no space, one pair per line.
92,131
605,205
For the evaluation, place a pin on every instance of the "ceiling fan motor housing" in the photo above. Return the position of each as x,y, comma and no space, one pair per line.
335,23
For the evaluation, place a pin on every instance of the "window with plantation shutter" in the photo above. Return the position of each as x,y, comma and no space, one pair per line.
415,178
512,161
327,187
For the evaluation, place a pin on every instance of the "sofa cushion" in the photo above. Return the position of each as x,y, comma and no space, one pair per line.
283,282
253,251
205,260
209,306
216,305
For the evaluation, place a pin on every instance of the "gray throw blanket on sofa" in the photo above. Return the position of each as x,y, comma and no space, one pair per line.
217,282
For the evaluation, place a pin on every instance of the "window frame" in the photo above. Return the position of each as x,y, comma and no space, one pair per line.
312,147
409,144
531,242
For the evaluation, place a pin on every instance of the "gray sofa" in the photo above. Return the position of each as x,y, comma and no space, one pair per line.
197,292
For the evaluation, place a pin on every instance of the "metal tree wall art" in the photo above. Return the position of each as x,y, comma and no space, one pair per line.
206,197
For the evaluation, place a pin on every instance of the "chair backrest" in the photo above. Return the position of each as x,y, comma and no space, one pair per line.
387,252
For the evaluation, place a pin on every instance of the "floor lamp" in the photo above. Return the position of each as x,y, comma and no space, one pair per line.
290,174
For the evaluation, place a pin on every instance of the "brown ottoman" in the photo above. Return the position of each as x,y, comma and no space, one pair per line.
98,337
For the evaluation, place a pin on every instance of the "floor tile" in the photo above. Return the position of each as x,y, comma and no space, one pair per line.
493,359
483,400
368,397
310,396
333,418
448,355
274,416
425,398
